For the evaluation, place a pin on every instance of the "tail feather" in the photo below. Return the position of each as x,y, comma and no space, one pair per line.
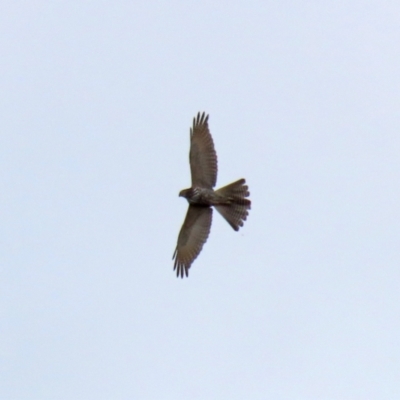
235,211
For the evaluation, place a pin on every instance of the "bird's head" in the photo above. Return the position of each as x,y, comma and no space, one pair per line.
184,193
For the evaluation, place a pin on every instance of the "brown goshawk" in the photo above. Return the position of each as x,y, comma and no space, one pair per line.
230,201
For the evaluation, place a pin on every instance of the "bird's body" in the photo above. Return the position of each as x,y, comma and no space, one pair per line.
202,196
230,201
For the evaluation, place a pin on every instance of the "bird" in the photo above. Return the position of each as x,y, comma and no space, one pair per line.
230,201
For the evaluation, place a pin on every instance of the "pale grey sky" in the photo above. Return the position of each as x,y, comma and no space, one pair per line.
96,101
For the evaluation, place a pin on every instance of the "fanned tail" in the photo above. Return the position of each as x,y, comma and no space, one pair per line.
236,209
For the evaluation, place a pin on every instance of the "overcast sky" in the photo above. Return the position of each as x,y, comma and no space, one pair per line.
96,102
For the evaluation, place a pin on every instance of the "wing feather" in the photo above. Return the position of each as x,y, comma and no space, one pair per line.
193,235
202,157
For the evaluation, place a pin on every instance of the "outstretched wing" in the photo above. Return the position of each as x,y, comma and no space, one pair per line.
202,157
193,235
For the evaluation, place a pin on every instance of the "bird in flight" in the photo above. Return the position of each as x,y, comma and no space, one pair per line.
230,201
